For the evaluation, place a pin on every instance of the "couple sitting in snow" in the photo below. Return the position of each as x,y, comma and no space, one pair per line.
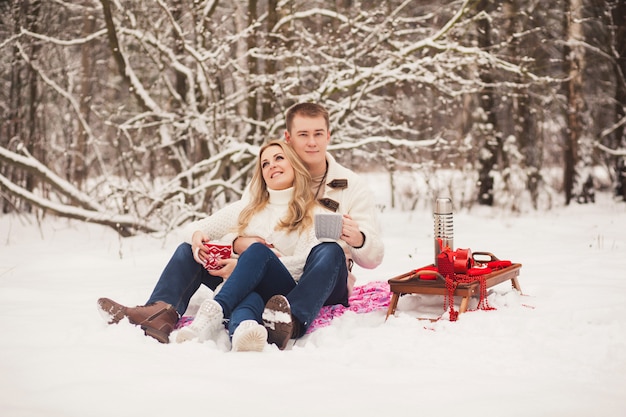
283,275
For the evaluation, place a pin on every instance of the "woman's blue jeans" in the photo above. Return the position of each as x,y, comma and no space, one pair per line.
258,276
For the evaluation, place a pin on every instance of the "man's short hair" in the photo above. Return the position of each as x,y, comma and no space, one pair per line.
306,110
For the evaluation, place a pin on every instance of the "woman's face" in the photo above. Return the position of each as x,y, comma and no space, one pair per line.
276,168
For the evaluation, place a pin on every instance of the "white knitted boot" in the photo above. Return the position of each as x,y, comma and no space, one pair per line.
208,319
249,336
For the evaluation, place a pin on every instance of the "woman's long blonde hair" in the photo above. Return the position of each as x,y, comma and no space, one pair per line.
299,215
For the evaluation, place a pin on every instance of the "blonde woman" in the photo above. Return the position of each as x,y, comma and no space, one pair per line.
280,210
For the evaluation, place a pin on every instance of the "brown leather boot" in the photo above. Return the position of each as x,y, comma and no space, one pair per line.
157,319
281,325
111,311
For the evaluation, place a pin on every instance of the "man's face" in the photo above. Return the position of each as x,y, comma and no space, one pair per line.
309,137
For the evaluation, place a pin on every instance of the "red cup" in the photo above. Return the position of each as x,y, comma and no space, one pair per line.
217,251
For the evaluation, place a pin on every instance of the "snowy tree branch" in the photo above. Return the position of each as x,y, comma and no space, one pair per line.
124,224
35,167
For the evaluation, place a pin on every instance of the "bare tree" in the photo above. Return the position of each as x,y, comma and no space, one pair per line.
617,131
21,117
574,59
154,110
492,136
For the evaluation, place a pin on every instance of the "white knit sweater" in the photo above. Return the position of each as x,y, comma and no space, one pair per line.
291,247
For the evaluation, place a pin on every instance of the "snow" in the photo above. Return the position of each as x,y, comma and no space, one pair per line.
557,350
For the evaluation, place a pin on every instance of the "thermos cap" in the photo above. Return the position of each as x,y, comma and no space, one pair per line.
443,206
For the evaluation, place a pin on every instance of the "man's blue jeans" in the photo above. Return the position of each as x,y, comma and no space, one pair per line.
180,280
259,275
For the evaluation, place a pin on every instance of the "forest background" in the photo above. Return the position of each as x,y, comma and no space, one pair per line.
145,114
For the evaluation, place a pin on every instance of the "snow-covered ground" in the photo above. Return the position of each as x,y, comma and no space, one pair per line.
557,350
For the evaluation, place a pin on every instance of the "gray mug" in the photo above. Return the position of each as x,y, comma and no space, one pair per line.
328,226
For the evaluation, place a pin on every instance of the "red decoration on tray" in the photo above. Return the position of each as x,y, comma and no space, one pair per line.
430,274
498,264
477,271
445,263
460,267
462,260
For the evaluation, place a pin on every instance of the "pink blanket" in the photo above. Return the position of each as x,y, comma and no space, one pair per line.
365,298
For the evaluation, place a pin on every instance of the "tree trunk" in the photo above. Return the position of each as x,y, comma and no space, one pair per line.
78,165
253,69
619,140
24,93
10,120
268,100
526,124
489,157
574,61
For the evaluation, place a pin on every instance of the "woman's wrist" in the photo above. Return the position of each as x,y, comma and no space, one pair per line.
233,245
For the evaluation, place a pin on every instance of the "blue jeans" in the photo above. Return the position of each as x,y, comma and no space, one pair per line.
260,274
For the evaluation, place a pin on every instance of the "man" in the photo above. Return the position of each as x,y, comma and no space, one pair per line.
338,189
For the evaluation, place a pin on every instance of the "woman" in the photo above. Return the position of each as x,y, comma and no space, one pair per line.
280,210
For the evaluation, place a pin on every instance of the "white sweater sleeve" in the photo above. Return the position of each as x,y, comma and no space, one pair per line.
363,212
218,224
